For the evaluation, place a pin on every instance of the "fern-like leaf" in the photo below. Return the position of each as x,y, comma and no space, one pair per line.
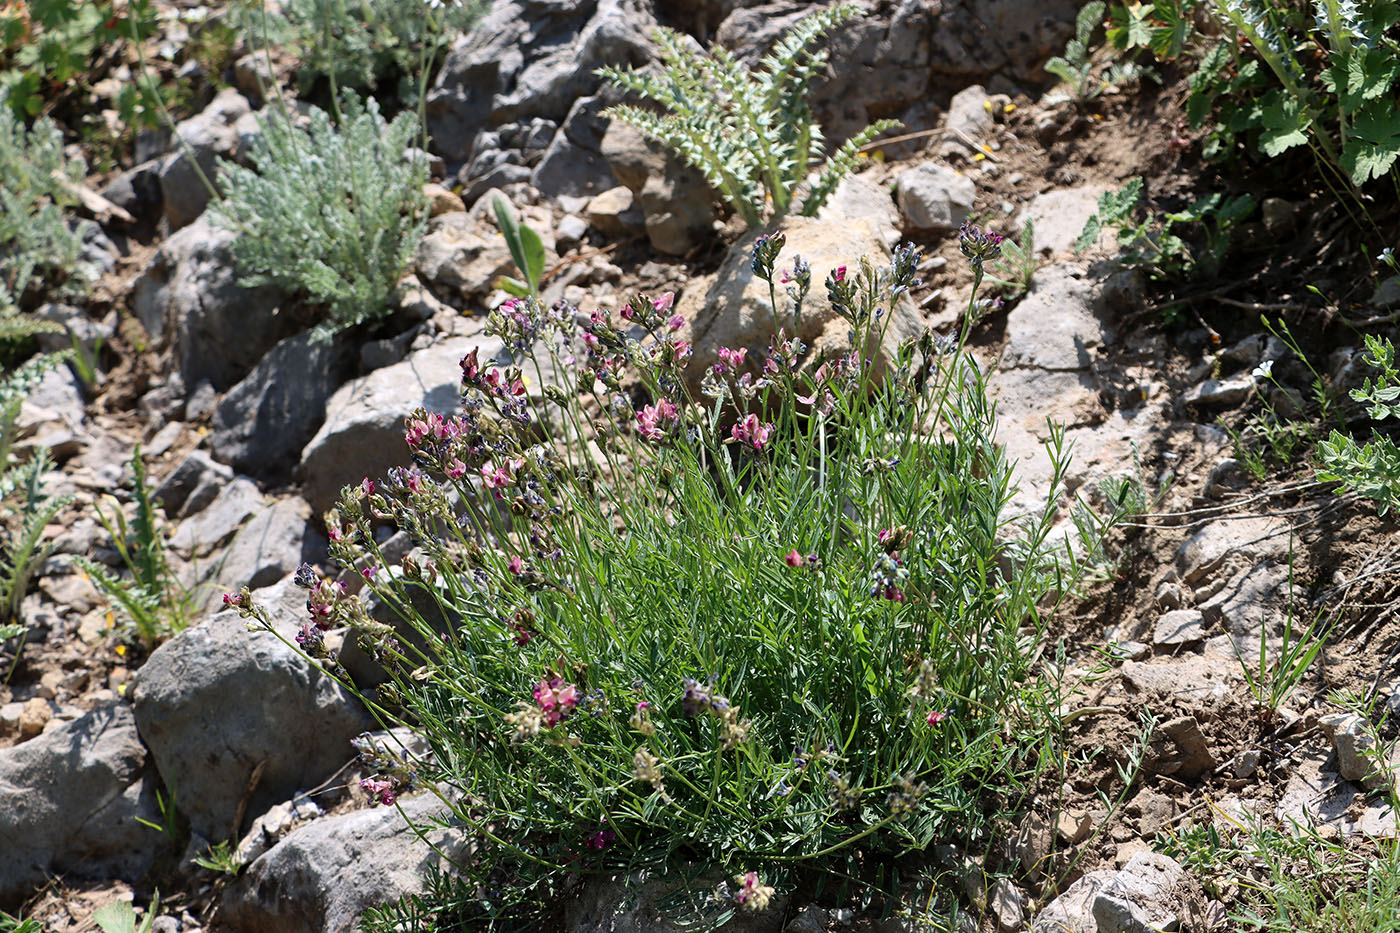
842,164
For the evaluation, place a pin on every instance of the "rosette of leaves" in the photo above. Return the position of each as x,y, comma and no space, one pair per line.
751,133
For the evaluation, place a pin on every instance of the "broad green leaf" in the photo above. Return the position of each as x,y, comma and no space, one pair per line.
1374,145
533,250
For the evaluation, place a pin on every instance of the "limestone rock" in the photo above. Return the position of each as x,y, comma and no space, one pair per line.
190,298
69,802
732,308
216,702
264,421
934,198
323,875
363,431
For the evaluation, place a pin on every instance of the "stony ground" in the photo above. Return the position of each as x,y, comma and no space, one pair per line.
248,431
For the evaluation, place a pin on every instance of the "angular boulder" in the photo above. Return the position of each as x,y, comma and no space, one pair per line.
69,803
217,703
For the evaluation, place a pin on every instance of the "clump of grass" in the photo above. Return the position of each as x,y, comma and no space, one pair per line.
780,630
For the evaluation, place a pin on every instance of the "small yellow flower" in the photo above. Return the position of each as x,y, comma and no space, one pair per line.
1008,108
120,649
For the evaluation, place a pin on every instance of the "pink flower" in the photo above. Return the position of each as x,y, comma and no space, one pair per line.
368,573
663,304
626,313
732,359
752,432
654,420
456,469
556,699
367,486
936,716
683,350
470,369
497,478
381,790
793,558
840,274
233,600
516,565
676,321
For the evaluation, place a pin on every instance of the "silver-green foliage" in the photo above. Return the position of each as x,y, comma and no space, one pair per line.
363,43
334,212
26,508
36,240
1371,470
751,133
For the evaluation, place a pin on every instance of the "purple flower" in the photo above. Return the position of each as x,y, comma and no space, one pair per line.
978,245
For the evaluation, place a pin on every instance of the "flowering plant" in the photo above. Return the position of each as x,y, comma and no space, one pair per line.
765,630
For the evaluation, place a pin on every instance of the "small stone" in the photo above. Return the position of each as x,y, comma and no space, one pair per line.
1130,650
570,233
10,715
1220,393
1354,742
1245,763
1184,755
1073,826
810,919
614,213
1032,844
34,717
1170,595
1141,897
442,200
933,197
1007,901
1181,627
1280,216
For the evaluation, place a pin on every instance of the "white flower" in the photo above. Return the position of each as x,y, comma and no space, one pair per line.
1264,370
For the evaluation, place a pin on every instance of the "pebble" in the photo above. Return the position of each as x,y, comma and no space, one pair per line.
34,718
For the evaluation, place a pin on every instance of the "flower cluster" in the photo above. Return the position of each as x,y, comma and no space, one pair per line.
646,767
904,797
752,895
924,695
751,433
390,775
765,253
656,421
888,577
978,245
555,701
699,698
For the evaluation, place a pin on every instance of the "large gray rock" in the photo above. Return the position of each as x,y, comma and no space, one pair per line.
321,877
731,308
530,59
69,802
677,203
194,483
459,255
1151,892
363,431
189,299
217,702
272,545
574,165
207,136
201,533
263,422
